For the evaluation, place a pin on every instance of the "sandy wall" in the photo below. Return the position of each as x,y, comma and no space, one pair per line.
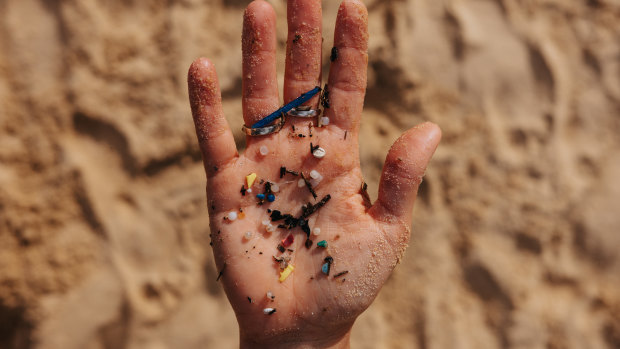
103,224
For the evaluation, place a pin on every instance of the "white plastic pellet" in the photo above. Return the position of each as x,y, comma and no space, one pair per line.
275,188
315,182
270,295
249,190
316,231
324,120
319,153
301,183
247,235
232,215
314,174
263,150
268,311
265,222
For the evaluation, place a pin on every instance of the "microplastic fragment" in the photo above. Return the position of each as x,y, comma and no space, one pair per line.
309,208
275,188
322,243
232,215
334,54
319,153
314,174
250,179
269,311
309,186
287,107
324,120
221,273
316,231
341,274
286,272
271,198
286,242
328,264
260,196
301,183
263,150
324,101
247,235
303,224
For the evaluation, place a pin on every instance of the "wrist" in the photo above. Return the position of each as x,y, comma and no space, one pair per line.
340,340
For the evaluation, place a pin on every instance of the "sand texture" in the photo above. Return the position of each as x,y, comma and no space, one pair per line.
104,238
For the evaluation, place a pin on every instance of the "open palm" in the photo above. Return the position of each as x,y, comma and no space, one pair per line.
364,241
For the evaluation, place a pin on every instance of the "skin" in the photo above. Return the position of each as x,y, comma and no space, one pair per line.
367,240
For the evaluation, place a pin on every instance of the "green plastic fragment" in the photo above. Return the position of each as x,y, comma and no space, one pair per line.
322,243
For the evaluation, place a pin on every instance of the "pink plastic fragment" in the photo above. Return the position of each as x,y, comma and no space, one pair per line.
288,240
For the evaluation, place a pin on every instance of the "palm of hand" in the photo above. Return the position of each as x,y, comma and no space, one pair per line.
357,242
364,240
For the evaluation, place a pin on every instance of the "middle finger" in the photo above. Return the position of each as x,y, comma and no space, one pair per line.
303,49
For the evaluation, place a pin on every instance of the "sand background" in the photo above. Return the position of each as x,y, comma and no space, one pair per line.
103,223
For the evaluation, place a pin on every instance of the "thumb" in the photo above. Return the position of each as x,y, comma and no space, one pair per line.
403,170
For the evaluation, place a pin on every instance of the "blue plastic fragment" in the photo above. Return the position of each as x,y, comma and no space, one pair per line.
271,198
287,107
325,268
260,196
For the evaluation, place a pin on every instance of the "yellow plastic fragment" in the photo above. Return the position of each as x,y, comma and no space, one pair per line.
250,179
286,272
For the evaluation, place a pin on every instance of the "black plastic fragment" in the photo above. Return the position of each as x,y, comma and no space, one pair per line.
309,186
341,274
303,224
221,273
334,55
325,97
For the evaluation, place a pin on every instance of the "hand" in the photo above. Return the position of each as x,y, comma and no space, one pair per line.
312,309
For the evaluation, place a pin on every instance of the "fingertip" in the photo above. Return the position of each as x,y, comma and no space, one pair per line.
405,166
421,140
354,5
432,131
203,84
259,23
352,28
410,154
201,63
201,69
260,5
260,8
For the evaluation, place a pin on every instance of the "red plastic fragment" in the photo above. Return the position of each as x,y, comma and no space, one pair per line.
288,240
